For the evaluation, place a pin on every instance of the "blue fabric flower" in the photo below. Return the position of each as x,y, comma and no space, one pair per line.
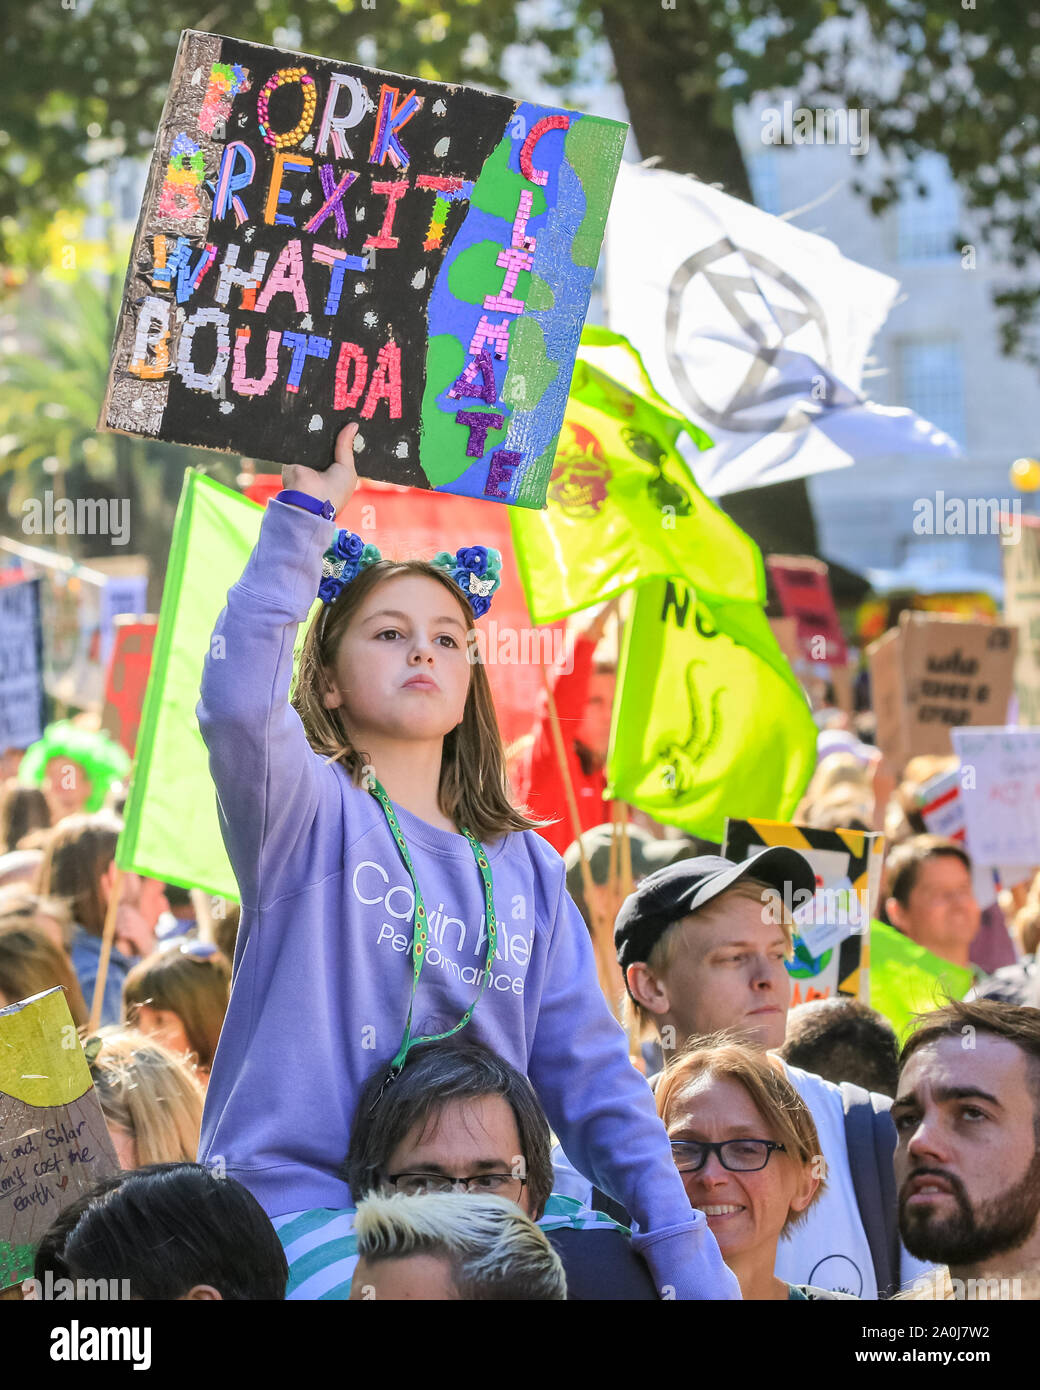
479,605
329,589
461,578
473,557
348,546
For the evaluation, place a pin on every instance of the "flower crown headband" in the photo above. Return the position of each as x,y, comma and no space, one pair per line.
476,569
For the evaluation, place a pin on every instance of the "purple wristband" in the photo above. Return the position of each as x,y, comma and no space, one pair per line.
309,504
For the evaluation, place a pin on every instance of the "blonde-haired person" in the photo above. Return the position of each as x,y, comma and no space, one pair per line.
150,1098
30,963
439,1246
179,997
747,1150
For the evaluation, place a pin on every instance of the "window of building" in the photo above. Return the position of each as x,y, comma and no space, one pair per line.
764,176
926,227
932,381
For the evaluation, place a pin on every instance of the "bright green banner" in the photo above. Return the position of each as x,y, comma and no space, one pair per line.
623,505
171,830
709,720
907,979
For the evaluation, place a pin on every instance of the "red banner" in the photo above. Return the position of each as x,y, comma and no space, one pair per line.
127,678
804,592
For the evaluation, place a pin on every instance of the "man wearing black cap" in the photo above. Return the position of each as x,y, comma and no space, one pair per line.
704,945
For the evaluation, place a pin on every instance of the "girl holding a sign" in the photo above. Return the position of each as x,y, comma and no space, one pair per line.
391,894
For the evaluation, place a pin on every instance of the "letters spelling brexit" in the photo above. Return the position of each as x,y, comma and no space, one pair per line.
181,268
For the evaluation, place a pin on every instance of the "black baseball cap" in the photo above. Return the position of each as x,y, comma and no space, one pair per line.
678,889
647,854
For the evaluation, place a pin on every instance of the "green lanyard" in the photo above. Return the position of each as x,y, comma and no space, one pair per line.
419,930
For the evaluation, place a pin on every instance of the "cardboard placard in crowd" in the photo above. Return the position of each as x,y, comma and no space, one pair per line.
127,678
832,933
933,674
1000,793
54,1145
320,242
803,590
1022,611
21,665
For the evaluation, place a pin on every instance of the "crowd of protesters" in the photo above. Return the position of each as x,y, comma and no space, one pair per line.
403,1069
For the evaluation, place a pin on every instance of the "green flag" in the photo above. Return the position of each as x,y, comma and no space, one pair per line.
709,720
622,503
908,979
171,830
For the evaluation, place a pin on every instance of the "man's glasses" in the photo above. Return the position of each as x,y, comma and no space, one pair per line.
420,1184
735,1155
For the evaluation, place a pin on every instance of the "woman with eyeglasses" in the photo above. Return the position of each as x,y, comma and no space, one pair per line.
747,1150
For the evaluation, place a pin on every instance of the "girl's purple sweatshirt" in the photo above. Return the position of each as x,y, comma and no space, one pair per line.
322,968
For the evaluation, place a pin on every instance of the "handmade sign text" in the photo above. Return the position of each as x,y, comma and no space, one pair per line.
321,242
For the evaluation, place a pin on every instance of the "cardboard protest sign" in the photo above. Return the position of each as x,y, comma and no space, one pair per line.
1001,796
21,665
1022,611
53,1142
933,674
127,679
803,590
320,242
832,950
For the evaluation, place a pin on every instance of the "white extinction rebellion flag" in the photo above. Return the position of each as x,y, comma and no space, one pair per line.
754,329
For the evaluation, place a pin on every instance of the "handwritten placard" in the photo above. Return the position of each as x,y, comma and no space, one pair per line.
1000,793
934,674
321,242
54,1145
21,665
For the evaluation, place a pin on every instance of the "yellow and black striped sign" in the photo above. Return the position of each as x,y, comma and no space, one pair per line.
842,968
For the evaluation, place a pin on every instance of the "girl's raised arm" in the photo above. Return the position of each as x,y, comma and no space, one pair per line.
267,778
